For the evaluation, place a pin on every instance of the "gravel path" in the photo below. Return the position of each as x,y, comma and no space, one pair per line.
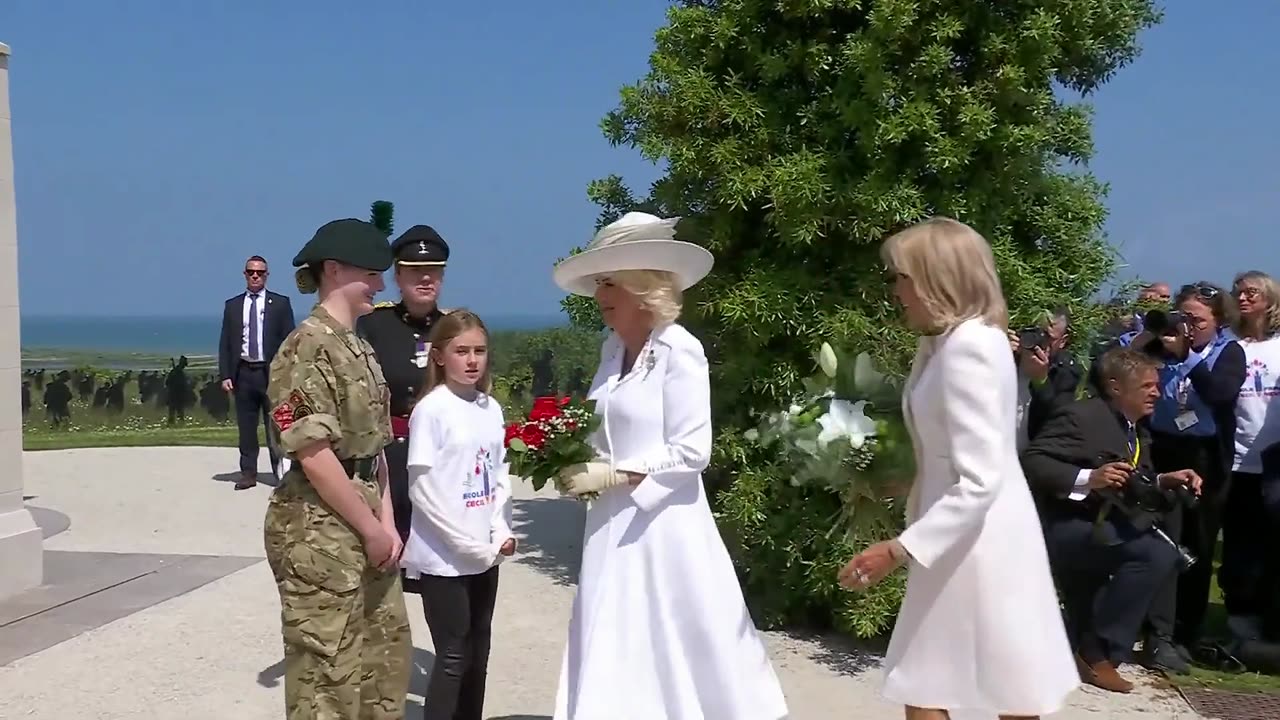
214,653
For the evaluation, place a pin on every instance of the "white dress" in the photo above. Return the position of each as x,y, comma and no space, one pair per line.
980,629
660,630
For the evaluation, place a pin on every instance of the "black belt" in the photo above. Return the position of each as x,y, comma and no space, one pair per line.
366,468
253,363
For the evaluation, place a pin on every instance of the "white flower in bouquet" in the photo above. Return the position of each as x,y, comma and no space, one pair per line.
827,360
843,433
845,419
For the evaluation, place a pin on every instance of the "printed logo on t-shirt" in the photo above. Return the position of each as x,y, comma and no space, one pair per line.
479,476
1259,381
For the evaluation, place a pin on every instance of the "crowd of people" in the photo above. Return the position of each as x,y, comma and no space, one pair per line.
1058,519
1189,377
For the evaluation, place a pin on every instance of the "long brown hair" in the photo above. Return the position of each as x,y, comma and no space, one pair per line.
443,332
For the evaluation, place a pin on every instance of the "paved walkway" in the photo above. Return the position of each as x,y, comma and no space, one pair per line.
213,652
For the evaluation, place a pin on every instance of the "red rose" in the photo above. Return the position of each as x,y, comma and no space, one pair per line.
544,408
533,436
513,431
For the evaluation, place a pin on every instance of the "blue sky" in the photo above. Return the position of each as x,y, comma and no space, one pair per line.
158,143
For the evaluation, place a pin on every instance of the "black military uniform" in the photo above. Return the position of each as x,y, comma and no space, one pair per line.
399,341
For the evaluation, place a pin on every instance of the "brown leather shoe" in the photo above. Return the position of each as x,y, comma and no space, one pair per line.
1104,675
246,481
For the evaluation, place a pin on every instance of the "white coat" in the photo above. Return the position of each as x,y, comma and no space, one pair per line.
980,628
659,629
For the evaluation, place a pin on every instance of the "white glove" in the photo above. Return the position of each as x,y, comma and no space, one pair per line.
590,477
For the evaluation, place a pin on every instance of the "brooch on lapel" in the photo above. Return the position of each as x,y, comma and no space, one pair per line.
650,360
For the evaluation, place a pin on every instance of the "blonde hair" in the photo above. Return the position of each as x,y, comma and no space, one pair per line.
953,271
1270,291
1125,364
657,290
443,332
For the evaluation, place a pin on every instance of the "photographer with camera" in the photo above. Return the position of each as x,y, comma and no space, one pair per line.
1154,297
1193,426
1050,373
1101,503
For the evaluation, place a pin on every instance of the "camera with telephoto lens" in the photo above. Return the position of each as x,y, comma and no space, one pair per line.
1143,493
1033,337
1144,502
1163,322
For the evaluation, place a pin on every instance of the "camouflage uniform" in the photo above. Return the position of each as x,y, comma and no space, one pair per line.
346,634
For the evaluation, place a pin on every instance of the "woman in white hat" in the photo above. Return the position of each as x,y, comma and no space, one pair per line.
660,630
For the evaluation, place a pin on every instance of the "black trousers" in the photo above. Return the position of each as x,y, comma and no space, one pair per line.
401,507
1178,610
250,390
1107,589
459,612
1250,574
398,481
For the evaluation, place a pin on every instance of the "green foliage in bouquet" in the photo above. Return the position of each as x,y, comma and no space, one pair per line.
845,435
794,137
781,539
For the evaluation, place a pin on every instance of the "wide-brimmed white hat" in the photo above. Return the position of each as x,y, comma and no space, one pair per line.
636,241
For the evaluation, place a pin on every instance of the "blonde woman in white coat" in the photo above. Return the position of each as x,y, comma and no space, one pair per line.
980,629
659,629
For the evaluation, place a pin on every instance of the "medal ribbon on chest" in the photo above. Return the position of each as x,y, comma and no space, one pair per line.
422,349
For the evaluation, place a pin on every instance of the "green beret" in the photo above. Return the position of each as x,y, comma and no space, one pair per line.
351,242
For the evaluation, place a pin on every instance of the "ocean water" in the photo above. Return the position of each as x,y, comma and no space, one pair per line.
174,335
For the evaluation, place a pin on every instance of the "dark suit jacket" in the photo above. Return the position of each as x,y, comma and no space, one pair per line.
1059,388
1085,434
277,323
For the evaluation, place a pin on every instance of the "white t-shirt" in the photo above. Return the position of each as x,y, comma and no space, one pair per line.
1257,416
458,485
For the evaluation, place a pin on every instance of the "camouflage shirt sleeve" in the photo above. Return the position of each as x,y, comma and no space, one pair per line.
303,396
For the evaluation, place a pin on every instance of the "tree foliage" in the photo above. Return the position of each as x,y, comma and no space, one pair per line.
382,215
798,134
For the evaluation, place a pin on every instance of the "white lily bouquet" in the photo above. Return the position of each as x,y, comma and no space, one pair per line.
845,434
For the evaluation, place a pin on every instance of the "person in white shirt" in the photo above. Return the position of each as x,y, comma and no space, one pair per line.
1253,502
973,540
659,630
461,522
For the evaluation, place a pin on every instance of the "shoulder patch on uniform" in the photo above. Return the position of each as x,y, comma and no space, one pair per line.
384,304
446,311
292,410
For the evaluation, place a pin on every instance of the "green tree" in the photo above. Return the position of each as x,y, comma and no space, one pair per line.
797,135
382,215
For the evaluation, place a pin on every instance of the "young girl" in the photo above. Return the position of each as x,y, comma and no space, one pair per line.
461,524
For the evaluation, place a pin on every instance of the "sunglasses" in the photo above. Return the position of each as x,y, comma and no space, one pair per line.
1249,292
1203,292
255,273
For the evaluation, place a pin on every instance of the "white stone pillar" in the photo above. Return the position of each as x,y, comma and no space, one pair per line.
21,544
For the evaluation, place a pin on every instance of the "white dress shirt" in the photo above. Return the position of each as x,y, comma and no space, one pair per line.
244,324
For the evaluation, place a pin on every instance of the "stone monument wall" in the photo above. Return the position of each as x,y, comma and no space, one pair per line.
21,544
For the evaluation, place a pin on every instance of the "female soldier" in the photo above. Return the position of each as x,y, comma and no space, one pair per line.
330,535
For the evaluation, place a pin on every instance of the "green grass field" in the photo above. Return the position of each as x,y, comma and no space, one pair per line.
137,425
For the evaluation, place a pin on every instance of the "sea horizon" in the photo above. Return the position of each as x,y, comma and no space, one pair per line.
175,334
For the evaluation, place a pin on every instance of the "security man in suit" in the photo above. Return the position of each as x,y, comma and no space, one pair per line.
254,325
398,333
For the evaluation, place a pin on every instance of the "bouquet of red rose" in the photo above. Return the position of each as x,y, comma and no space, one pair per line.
551,439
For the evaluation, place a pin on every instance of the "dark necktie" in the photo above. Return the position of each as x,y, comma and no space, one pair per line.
253,328
1133,443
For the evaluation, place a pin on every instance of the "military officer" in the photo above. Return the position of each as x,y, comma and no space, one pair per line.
329,530
398,333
